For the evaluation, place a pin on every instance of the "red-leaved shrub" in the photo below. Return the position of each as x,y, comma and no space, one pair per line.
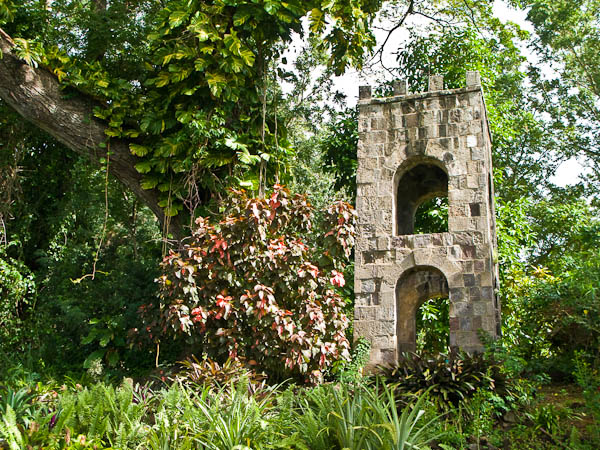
260,285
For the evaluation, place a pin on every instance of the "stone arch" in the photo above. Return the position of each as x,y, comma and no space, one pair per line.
415,286
416,181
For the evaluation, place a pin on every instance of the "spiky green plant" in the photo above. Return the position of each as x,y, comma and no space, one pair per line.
233,419
350,416
352,419
167,435
405,430
19,401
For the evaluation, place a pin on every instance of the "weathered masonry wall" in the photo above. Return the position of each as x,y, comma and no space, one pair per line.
413,147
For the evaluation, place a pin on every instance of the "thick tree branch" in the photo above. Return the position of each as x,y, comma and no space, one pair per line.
36,95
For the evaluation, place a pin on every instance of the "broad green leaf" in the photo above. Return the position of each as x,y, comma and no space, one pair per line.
138,150
149,182
240,18
202,35
247,56
206,48
171,211
112,132
200,64
232,43
246,158
233,144
177,17
113,358
216,83
163,79
143,167
105,339
317,21
184,116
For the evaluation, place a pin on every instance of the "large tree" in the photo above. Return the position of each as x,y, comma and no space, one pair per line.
567,75
173,97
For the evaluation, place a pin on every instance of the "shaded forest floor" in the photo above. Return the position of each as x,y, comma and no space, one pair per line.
557,418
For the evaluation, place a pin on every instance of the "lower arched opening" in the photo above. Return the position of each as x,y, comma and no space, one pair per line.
415,288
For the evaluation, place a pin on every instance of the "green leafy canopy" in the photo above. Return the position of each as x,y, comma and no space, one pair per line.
185,82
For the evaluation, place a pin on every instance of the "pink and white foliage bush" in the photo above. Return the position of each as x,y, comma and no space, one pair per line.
260,285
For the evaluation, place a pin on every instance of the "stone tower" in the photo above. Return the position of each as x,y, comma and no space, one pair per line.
412,148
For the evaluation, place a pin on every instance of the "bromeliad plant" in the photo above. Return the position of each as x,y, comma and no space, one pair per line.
449,377
254,285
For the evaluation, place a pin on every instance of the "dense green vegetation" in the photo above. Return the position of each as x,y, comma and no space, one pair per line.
202,118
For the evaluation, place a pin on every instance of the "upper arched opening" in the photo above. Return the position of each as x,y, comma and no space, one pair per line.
424,184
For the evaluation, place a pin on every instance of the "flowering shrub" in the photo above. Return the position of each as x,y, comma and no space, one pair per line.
253,286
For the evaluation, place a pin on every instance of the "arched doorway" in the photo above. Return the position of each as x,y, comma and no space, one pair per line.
414,287
424,184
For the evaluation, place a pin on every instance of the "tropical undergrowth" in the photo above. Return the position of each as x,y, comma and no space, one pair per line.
191,416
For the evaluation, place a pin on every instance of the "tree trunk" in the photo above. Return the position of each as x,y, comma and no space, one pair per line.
36,95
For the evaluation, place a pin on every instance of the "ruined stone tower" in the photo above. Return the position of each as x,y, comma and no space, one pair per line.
412,148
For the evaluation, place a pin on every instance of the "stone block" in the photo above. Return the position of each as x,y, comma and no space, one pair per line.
364,328
468,280
400,87
377,137
461,224
386,312
364,176
436,83
475,98
466,323
479,308
364,92
473,181
365,313
487,279
454,324
384,328
477,154
475,292
362,299
410,120
471,140
473,79
384,342
454,253
475,126
442,130
367,286
388,356
422,256
378,123
461,309
478,266
487,293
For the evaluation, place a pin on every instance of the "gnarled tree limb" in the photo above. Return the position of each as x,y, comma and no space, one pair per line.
36,95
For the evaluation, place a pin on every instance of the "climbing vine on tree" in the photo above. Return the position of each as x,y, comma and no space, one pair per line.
188,88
